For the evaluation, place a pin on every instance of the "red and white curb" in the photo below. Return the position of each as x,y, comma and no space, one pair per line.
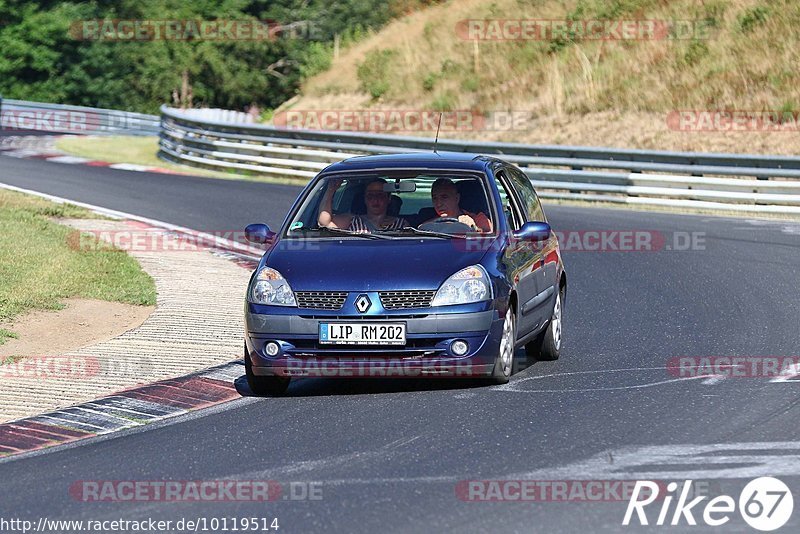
126,409
43,147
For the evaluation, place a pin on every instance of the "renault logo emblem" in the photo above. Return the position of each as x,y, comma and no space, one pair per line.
363,303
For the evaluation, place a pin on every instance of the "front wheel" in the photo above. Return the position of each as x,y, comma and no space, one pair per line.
547,346
504,363
264,385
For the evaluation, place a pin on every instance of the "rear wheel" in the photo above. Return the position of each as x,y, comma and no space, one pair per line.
504,363
264,385
547,346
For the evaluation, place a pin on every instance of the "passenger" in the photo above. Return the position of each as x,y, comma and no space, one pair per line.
376,219
446,198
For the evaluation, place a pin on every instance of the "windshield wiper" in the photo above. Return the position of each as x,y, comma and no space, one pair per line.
442,235
342,231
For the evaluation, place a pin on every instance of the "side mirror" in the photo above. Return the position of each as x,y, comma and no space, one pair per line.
535,232
258,233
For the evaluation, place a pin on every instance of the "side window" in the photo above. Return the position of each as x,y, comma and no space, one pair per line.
528,196
511,209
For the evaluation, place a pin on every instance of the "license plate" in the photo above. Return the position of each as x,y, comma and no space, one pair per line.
362,333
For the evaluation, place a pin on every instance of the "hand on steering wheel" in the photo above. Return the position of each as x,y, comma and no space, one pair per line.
466,220
448,225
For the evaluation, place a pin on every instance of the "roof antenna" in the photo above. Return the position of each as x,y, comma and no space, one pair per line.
438,126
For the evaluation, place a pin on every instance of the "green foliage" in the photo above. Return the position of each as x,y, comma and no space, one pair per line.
374,72
4,335
444,102
714,11
428,31
788,109
609,9
781,80
266,115
316,58
44,59
695,52
752,17
429,81
471,83
449,67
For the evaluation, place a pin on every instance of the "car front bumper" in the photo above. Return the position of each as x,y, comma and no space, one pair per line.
427,351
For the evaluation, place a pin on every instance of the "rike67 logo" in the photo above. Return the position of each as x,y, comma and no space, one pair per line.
765,504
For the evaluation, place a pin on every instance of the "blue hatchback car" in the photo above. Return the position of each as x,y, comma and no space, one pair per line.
409,265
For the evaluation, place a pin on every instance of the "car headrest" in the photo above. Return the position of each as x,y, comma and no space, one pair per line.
424,214
358,206
473,197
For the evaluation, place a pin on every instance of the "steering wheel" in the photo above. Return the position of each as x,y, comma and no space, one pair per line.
446,225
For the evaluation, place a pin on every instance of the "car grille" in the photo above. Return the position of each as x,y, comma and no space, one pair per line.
321,300
401,300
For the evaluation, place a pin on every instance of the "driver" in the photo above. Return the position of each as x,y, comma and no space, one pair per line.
446,198
376,219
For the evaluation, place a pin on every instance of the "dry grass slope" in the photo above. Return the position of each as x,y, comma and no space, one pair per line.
581,92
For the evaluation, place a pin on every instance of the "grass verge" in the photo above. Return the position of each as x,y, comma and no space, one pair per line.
141,150
38,268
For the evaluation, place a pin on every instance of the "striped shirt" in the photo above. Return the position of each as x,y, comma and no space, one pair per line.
363,225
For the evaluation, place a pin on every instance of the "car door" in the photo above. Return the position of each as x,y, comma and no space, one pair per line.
535,213
519,257
546,261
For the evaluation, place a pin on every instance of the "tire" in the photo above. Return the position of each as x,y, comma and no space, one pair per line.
504,362
547,346
264,385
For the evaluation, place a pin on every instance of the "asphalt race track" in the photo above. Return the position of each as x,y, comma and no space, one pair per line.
390,454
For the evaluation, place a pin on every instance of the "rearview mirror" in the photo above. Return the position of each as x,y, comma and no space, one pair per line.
258,233
405,186
535,232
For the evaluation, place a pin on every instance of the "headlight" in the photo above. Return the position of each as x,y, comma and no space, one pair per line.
269,287
467,285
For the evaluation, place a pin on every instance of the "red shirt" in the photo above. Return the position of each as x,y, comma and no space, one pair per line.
481,221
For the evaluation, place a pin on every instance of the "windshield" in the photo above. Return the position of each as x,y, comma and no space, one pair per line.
405,204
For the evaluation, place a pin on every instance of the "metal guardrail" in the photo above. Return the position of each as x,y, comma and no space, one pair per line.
24,116
733,182
220,115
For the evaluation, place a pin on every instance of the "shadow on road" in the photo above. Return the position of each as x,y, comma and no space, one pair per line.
320,386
